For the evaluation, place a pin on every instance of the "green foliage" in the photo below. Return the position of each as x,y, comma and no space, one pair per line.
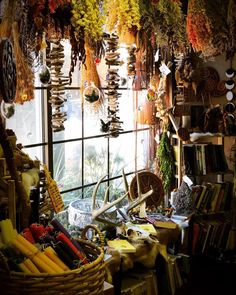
166,160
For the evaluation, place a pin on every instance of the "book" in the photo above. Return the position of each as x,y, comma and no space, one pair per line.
189,159
204,171
204,188
217,188
147,227
220,196
165,224
122,246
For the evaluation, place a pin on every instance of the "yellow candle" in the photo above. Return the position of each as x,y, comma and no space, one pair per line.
42,265
7,230
24,268
31,266
14,233
49,252
49,262
27,244
24,250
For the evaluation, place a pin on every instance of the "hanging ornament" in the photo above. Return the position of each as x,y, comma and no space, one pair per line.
44,75
57,84
91,93
112,58
131,61
7,109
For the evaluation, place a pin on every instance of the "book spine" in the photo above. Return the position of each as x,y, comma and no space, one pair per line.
203,154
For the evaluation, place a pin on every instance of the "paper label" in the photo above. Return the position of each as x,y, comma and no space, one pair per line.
164,69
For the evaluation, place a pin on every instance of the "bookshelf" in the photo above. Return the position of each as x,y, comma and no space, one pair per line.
206,162
203,159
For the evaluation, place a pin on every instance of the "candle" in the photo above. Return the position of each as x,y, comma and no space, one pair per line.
24,268
31,266
27,244
7,230
38,231
22,248
42,265
40,260
49,262
49,251
63,238
27,234
58,226
64,254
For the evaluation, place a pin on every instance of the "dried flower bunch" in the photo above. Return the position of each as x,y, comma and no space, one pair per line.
207,26
89,16
167,22
122,15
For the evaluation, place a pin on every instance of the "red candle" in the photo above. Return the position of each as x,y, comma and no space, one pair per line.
63,238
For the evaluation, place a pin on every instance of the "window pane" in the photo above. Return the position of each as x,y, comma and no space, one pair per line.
126,106
35,153
67,167
88,191
143,151
122,154
93,112
71,196
67,63
73,123
27,121
95,159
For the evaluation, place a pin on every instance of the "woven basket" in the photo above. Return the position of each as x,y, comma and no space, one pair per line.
87,279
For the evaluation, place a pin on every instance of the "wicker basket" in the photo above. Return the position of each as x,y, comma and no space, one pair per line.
87,279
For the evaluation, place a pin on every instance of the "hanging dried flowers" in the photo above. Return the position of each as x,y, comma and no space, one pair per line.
166,161
207,28
88,15
51,16
231,20
171,25
122,15
164,20
7,18
25,77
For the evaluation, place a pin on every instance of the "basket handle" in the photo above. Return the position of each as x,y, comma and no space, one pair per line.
3,262
97,231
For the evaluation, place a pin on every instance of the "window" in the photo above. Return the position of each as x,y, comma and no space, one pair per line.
81,154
